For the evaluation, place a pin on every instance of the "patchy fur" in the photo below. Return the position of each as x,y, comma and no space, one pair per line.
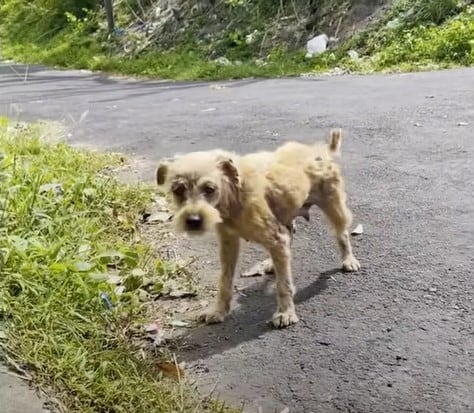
256,197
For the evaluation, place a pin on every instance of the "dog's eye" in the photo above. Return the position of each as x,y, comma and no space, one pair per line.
209,189
178,189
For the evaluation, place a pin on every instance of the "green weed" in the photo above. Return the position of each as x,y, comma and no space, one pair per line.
65,224
412,35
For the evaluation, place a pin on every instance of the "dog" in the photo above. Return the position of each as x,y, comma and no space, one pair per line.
257,197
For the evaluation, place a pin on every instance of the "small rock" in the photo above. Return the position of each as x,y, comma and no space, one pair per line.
157,218
217,87
201,368
353,54
181,293
209,110
161,203
56,189
337,71
178,323
223,61
462,124
429,97
432,290
392,24
417,124
250,38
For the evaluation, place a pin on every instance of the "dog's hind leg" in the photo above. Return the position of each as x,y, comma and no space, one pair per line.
335,208
280,253
229,246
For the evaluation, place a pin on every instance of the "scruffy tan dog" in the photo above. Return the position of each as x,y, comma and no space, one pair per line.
256,197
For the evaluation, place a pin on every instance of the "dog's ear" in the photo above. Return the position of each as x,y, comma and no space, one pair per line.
161,173
228,168
230,202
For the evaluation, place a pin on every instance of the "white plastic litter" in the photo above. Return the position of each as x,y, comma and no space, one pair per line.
317,45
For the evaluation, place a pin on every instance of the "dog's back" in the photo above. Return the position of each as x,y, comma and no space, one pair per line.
297,153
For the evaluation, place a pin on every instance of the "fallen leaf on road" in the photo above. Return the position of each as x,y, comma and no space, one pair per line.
259,269
358,230
173,290
153,327
171,370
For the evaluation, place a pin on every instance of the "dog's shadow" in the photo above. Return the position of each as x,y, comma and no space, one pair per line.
249,321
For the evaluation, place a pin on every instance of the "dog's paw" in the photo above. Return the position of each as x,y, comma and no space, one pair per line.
281,320
212,316
351,264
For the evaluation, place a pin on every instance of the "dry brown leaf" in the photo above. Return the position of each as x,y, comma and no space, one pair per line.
171,370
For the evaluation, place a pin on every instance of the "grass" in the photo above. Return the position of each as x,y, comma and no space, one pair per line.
413,35
176,65
65,224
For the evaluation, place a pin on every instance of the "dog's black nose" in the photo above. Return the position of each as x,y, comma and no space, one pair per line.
194,222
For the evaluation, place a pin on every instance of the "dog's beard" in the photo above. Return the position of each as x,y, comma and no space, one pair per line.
209,215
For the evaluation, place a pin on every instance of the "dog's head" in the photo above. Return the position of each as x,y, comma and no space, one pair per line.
205,188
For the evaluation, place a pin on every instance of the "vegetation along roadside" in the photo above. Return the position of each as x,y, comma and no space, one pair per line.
68,228
199,39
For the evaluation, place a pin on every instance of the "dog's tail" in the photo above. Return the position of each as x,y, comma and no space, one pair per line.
335,139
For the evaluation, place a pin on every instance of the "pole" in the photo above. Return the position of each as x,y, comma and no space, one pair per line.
109,11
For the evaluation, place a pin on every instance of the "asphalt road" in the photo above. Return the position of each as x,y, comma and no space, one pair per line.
398,336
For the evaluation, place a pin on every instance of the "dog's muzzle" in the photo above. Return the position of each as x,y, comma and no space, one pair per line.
194,222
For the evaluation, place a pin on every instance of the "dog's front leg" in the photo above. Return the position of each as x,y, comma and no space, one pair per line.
281,256
229,245
340,216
